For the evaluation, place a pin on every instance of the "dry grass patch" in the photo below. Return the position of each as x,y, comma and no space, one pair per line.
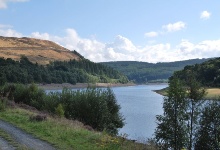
213,93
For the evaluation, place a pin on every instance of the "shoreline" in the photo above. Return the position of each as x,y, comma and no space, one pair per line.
54,86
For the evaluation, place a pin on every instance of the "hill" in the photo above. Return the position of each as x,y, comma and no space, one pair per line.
208,73
142,72
36,50
27,60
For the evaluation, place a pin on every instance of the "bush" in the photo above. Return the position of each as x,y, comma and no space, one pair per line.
60,110
3,104
95,107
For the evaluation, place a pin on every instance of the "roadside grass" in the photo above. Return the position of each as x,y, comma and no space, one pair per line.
68,134
212,93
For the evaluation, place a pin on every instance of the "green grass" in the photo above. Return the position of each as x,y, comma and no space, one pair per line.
66,134
212,93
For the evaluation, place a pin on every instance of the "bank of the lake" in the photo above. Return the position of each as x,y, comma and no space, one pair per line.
53,86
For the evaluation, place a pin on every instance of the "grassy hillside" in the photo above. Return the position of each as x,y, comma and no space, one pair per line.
40,51
142,72
67,134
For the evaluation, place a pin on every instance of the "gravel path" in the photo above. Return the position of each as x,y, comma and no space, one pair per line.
4,145
23,138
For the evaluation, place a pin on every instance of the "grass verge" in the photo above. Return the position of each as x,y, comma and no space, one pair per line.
67,134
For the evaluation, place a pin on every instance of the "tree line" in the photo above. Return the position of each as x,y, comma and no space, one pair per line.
82,71
142,72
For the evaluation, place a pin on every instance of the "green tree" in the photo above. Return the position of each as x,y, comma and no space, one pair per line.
208,133
116,120
171,130
194,97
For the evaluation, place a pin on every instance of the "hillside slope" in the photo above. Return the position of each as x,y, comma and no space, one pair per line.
36,50
142,72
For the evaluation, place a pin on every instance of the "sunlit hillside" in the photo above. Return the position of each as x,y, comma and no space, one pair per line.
41,51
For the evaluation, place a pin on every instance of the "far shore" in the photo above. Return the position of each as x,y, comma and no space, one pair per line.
54,86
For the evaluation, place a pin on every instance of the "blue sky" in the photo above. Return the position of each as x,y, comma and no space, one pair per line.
119,30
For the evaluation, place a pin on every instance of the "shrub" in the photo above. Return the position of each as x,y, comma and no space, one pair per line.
3,104
60,110
95,107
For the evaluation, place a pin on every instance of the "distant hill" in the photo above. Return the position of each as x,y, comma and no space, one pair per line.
142,72
36,50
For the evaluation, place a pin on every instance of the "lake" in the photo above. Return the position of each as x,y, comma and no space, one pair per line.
139,106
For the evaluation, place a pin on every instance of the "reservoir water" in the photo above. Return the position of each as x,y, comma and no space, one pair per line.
139,106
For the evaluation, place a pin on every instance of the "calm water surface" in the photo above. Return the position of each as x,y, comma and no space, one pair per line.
139,106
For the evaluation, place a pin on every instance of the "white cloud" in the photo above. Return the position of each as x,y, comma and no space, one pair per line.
174,27
6,30
151,34
37,35
205,15
10,33
121,48
3,3
171,27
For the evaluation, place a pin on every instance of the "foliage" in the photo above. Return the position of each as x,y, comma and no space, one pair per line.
82,71
3,102
177,127
142,72
95,107
171,132
195,94
60,110
207,72
208,133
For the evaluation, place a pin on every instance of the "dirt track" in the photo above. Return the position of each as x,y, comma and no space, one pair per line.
22,138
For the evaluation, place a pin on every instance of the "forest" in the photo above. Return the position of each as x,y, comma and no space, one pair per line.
142,72
83,71
208,73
